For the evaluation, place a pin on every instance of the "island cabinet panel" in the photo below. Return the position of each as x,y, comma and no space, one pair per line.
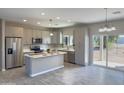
38,64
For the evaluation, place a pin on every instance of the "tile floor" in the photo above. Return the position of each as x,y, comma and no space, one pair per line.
69,75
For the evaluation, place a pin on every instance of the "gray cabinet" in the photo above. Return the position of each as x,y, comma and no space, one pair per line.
66,57
27,39
71,56
46,37
29,34
37,34
12,31
55,39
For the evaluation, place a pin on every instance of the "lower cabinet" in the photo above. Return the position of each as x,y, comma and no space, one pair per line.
69,57
66,57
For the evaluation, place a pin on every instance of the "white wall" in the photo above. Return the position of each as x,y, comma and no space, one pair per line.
81,45
68,31
2,45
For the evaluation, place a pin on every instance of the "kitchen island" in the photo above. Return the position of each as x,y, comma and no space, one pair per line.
40,63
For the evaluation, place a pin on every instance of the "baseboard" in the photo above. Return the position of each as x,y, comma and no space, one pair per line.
43,72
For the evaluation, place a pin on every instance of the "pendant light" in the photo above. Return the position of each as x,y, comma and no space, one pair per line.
50,24
107,27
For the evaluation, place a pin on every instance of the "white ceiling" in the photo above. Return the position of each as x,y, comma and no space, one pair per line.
76,15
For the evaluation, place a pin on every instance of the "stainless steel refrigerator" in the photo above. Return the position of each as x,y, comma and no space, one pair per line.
13,52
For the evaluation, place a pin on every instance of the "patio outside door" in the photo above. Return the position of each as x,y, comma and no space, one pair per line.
99,50
109,51
116,52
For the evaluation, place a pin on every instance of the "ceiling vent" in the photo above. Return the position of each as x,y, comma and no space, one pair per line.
116,12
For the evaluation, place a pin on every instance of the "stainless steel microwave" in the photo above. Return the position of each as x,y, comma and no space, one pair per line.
36,40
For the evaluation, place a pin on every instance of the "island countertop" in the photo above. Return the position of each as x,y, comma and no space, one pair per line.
42,55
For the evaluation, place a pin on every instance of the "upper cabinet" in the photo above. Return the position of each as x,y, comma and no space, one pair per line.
28,34
46,37
55,39
12,31
31,33
37,34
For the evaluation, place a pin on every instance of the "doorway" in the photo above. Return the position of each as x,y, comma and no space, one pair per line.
108,51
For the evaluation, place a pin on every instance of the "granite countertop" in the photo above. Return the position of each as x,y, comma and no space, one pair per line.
42,55
62,49
28,51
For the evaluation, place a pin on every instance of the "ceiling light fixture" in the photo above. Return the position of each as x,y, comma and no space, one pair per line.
43,13
58,18
38,23
51,34
50,24
24,20
106,27
116,12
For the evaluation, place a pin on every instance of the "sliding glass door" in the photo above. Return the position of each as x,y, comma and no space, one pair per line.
116,52
99,50
109,51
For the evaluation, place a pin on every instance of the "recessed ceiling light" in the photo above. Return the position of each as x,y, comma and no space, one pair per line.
58,18
38,23
42,13
49,24
116,12
51,34
69,20
24,20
